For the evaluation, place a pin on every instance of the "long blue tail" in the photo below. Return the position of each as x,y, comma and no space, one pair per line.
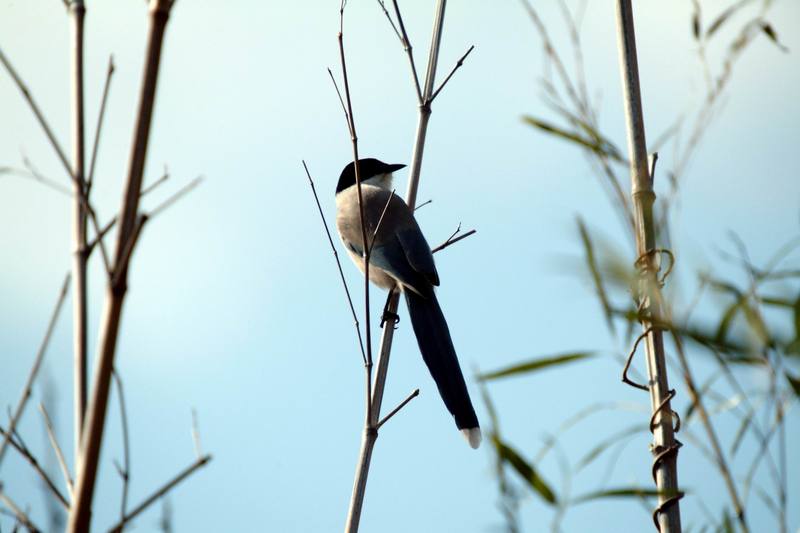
433,337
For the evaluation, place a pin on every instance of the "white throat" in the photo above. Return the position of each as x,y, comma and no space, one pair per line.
384,181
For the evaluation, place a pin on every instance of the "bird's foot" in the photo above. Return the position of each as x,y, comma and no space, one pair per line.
388,316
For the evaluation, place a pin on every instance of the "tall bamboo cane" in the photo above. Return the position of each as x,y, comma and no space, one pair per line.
667,515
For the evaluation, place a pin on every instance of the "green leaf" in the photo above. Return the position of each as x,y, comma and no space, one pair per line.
740,433
525,470
624,492
794,382
596,143
725,322
535,364
604,445
594,269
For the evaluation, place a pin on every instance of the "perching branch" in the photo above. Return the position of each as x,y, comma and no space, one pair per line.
375,399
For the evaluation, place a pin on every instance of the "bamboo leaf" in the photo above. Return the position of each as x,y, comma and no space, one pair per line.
797,317
725,322
769,31
624,492
794,382
535,365
720,20
525,470
740,433
591,262
604,445
596,143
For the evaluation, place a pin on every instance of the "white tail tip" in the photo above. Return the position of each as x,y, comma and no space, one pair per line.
473,436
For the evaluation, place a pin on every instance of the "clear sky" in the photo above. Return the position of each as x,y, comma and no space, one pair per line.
235,308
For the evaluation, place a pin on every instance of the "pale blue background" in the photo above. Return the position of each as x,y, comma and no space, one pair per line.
235,307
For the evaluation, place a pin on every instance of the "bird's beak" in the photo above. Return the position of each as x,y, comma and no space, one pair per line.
393,168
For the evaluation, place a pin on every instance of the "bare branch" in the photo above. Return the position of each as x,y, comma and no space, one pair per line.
35,176
338,264
380,221
125,471
397,409
455,68
99,127
199,463
450,241
23,518
198,450
129,224
423,204
56,448
164,177
36,111
389,18
409,51
183,191
37,362
19,446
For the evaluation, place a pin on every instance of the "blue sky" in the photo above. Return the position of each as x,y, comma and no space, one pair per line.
235,307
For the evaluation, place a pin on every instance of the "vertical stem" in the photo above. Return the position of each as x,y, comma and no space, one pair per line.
79,218
86,470
666,473
382,366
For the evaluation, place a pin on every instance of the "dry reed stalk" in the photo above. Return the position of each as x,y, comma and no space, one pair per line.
129,226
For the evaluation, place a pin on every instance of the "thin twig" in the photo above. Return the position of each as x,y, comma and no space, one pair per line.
198,449
397,409
423,204
451,241
62,462
183,191
169,485
99,127
22,449
125,470
18,513
338,264
99,237
455,68
380,221
406,42
37,362
164,177
47,182
36,111
389,18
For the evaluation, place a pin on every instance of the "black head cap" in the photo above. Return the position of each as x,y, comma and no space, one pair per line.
368,168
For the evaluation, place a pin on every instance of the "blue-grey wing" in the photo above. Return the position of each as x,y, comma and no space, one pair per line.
417,251
391,257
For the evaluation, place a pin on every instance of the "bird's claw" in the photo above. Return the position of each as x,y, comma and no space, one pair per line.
388,316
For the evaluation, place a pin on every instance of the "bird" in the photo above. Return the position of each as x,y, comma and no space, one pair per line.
400,259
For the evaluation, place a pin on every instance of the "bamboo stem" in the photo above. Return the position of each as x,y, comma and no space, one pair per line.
86,471
376,398
667,516
80,250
